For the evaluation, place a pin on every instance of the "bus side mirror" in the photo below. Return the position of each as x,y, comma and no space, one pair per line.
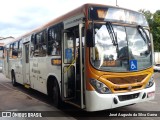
90,41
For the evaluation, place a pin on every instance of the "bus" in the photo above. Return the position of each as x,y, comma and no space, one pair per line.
3,45
95,57
1,56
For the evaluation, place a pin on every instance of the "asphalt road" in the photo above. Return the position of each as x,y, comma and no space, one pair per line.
22,99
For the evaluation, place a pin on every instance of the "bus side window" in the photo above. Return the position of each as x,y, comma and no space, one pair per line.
54,42
69,48
1,52
32,46
15,50
36,45
40,44
20,49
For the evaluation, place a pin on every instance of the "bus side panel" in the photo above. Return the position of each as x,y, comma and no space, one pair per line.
16,65
5,67
38,74
54,70
40,69
10,62
19,71
6,64
33,75
13,67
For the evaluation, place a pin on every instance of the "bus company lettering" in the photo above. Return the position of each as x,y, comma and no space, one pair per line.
35,64
36,71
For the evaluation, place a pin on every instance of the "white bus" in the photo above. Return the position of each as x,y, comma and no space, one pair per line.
89,57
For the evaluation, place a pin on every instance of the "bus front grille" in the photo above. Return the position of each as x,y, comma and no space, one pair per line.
127,88
128,97
127,80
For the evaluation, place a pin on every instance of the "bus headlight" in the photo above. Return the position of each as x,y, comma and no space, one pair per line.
99,86
150,83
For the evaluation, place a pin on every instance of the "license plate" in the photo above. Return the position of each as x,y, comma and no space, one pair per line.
150,94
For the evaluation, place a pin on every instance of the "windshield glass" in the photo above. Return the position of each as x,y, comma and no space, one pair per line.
130,48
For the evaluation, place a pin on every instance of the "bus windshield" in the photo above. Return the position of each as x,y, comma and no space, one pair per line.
130,45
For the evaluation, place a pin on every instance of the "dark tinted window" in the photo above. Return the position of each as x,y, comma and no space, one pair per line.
54,41
40,47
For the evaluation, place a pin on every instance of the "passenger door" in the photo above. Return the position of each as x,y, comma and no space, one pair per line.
72,73
26,65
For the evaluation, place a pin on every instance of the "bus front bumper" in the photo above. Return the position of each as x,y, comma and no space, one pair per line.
96,101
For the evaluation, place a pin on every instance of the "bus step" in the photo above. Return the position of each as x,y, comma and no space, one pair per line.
27,86
73,103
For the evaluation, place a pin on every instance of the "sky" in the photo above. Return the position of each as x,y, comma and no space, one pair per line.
18,17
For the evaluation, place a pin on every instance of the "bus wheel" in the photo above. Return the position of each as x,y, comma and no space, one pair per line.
56,94
14,83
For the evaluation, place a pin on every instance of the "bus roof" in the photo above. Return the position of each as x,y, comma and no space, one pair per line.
79,10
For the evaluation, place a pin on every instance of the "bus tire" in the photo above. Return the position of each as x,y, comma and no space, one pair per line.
14,83
55,94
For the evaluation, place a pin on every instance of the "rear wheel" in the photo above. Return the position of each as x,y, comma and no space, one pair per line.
14,83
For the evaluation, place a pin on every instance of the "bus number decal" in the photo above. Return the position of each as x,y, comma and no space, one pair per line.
56,61
109,63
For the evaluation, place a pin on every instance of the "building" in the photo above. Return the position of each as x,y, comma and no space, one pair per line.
5,40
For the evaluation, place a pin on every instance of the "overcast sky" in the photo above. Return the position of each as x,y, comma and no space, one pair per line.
20,16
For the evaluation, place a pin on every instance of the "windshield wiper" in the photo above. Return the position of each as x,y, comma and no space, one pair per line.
112,34
140,30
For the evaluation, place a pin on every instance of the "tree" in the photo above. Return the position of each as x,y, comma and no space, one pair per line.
156,30
154,23
148,16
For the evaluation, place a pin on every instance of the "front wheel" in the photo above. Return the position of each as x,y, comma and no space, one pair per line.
56,94
14,83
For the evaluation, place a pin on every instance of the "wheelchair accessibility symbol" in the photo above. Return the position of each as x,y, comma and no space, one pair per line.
132,65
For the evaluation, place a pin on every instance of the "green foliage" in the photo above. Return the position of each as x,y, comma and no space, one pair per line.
148,16
154,23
